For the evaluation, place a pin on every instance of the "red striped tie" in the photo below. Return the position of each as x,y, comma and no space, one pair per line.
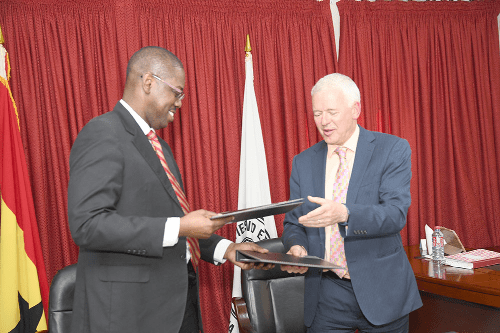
194,246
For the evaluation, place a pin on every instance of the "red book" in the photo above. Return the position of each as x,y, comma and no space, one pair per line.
473,259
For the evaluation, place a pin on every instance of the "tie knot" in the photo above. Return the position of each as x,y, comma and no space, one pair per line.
342,151
151,135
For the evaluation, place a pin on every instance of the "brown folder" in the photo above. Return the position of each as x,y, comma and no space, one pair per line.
453,244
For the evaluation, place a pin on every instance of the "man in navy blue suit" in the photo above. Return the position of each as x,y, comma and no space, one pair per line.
375,289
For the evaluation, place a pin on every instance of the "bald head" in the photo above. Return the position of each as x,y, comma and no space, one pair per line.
152,59
155,77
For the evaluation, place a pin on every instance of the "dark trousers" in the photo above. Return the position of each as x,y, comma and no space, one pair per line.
190,322
338,311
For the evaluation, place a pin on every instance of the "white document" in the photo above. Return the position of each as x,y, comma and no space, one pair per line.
428,237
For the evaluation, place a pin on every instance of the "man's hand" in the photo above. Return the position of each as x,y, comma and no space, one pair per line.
296,251
198,224
231,255
329,213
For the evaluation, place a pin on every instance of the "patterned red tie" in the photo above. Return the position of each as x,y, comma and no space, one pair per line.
337,254
194,246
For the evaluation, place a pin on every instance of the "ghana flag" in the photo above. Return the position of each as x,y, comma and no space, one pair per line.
23,281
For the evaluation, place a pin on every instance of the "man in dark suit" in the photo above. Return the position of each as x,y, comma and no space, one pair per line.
131,221
358,186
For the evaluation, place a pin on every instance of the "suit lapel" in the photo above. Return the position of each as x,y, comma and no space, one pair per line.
318,168
144,147
364,152
318,175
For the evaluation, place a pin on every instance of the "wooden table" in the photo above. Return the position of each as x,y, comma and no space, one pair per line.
455,299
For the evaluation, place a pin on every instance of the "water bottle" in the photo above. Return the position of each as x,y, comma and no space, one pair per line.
437,270
437,245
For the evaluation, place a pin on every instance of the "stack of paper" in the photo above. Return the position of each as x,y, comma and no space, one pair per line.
473,259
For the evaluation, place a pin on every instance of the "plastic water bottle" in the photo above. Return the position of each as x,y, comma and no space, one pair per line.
437,245
437,270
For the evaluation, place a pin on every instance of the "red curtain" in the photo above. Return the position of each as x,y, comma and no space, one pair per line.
68,65
431,72
428,72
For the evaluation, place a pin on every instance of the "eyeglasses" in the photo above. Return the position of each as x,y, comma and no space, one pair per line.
179,94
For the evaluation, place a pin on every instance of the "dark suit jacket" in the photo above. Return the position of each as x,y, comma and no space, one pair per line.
378,198
119,198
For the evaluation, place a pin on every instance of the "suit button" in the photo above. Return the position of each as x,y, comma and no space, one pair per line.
129,251
134,251
143,251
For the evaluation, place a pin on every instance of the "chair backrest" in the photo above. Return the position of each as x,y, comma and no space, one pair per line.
274,298
62,290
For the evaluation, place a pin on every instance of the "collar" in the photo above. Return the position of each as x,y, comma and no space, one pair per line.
141,122
351,143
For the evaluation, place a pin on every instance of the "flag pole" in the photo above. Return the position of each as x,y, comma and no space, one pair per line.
253,188
248,48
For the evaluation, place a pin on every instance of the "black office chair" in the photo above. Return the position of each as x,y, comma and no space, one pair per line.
273,300
62,290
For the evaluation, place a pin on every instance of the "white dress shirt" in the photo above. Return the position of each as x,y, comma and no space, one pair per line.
172,225
332,165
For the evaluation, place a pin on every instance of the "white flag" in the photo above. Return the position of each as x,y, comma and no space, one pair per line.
254,182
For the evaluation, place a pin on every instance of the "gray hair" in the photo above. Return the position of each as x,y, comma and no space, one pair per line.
339,81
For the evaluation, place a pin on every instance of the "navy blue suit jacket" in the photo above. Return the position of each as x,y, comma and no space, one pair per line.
378,198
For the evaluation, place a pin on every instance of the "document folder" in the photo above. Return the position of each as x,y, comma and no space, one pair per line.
283,259
261,211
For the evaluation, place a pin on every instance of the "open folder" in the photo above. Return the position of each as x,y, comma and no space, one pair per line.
261,211
283,259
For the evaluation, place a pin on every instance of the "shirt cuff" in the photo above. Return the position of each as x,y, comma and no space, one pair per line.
171,234
220,250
